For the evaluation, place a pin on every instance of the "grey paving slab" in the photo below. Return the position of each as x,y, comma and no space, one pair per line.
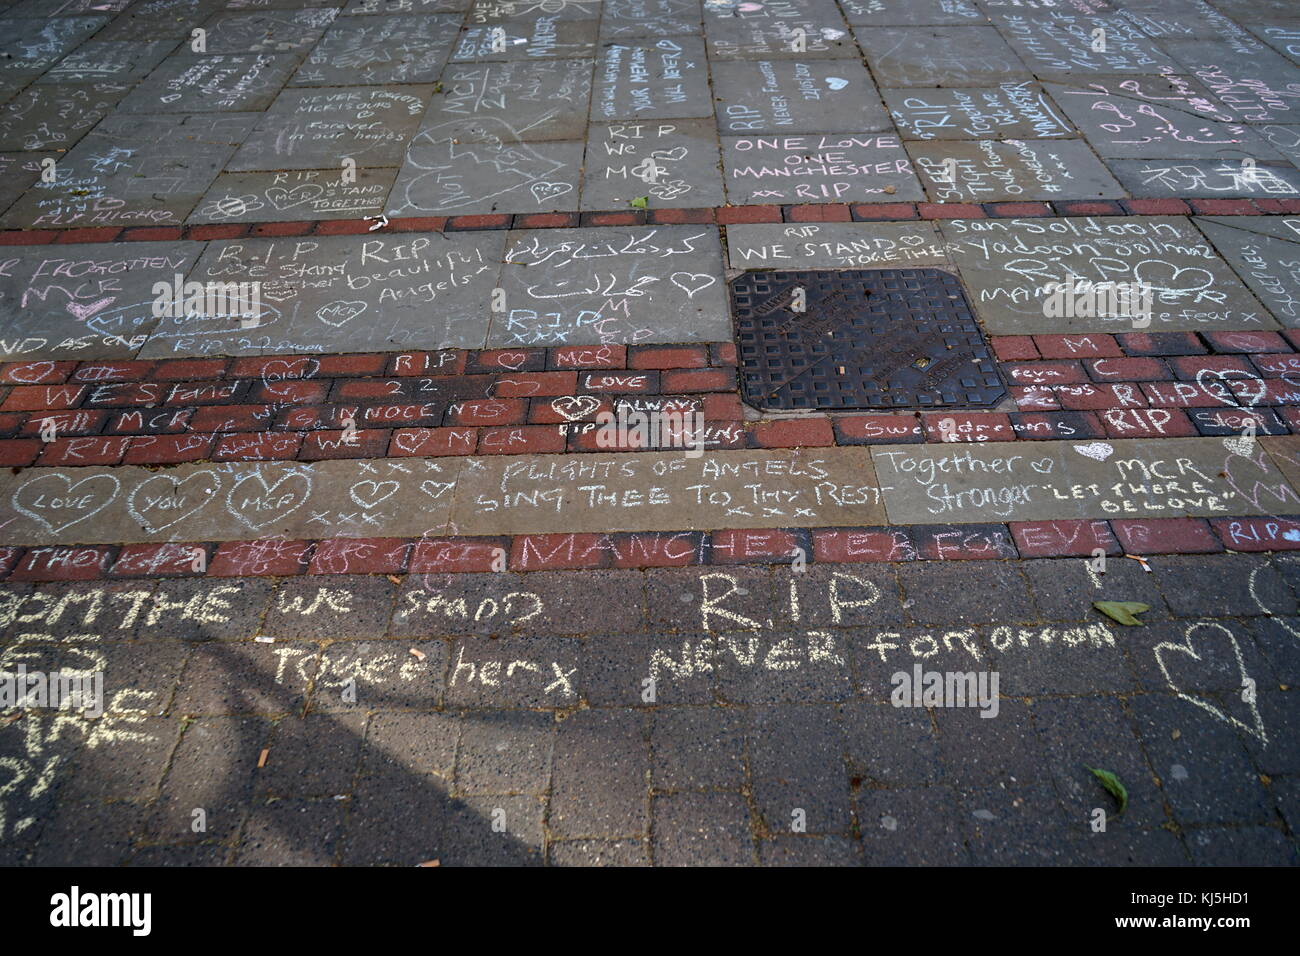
32,46
1168,117
318,129
195,83
1056,41
672,162
835,167
1285,139
55,116
495,171
1206,178
544,37
834,245
667,78
634,492
230,501
65,8
525,101
296,195
1130,478
625,19
91,301
904,13
1007,264
379,50
1007,111
819,34
358,8
994,171
17,173
1265,252
133,171
589,287
1284,39
151,19
793,96
1184,19
344,294
108,61
940,56
505,11
267,31
1259,88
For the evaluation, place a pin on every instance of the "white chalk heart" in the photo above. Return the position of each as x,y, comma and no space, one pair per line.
160,495
692,282
575,407
836,82
436,489
380,491
79,499
340,313
1256,726
264,507
1097,450
544,191
282,198
1043,466
512,360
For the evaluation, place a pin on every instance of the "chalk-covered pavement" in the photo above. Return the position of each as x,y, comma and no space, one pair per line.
612,416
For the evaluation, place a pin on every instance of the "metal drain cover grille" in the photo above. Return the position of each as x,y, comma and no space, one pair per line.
868,338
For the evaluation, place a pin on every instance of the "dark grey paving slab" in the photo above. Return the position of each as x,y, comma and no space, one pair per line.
994,171
702,829
495,172
1000,481
793,96
343,295
107,312
1204,178
267,31
902,13
111,178
836,167
1056,41
65,8
195,83
506,11
318,129
834,245
672,162
520,100
17,173
379,50
287,196
1168,117
940,56
358,8
152,19
818,34
55,116
108,61
516,39
1007,263
1185,19
32,46
653,79
1285,139
1258,88
1283,38
1007,111
585,287
1265,252
625,19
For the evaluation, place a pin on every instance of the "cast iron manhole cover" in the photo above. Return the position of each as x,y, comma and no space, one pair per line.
867,338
